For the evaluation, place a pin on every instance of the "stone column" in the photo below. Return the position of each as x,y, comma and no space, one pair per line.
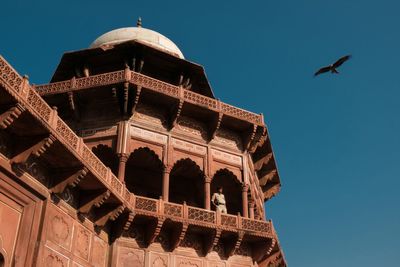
251,211
207,197
123,158
245,205
165,185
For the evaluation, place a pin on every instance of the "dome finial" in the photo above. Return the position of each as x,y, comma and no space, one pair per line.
139,22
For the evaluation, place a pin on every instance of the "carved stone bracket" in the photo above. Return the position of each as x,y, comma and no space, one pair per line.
9,116
89,199
267,177
213,240
154,230
262,250
125,98
249,137
122,223
176,114
214,125
107,212
231,247
262,161
136,99
65,180
72,105
129,220
35,150
260,133
179,235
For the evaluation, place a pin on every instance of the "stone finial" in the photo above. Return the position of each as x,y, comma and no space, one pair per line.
139,22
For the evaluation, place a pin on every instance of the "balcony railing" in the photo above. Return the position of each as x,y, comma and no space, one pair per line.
138,79
201,217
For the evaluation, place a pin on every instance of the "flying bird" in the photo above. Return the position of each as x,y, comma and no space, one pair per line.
332,67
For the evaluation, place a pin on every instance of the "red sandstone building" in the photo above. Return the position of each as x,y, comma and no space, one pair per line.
113,163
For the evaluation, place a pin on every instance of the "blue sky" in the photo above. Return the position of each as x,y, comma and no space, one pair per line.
335,137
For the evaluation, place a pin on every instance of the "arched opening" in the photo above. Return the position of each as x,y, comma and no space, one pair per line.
2,260
107,156
143,174
232,189
186,183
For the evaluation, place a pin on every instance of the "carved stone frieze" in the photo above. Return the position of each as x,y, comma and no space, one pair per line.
187,146
192,127
148,135
149,114
99,132
182,261
228,138
226,157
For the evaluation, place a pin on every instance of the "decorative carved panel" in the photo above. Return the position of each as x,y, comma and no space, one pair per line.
99,252
9,227
148,135
181,261
191,127
130,257
215,264
228,138
149,114
177,155
99,132
158,260
82,242
52,258
135,144
187,146
226,157
59,228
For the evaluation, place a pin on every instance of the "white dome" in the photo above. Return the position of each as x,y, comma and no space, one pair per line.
144,35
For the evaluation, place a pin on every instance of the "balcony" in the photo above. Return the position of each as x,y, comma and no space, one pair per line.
202,217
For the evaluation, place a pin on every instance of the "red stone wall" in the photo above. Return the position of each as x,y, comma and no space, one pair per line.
68,242
127,253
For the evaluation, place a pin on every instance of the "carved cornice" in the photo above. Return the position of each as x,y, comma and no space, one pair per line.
118,77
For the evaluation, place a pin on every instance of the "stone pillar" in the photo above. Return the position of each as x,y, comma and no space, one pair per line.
165,185
123,158
207,197
251,211
245,205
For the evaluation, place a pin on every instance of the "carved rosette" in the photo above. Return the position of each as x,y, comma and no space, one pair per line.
59,230
82,244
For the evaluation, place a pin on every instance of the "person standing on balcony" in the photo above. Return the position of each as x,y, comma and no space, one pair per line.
218,200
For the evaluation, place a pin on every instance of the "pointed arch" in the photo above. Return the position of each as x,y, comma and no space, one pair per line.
143,174
187,183
107,156
3,254
232,189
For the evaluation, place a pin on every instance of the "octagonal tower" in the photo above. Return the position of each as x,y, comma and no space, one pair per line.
149,144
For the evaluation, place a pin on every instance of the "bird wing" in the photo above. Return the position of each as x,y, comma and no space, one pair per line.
322,70
341,60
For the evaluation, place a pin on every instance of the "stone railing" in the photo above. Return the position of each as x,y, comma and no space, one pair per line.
19,88
138,79
201,217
